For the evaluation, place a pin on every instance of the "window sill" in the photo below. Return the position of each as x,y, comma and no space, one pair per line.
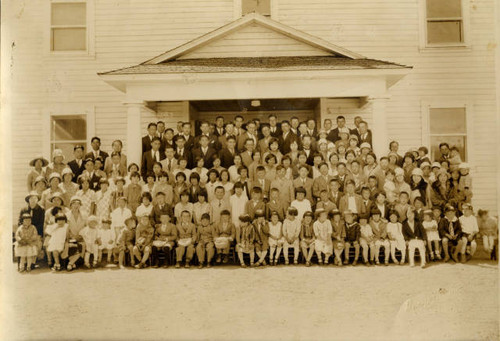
446,48
70,55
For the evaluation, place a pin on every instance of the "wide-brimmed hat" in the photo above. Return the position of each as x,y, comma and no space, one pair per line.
436,164
443,171
399,171
317,212
57,195
32,194
417,171
40,178
106,220
259,213
424,164
65,171
61,216
54,175
56,153
449,208
365,145
310,214
75,198
45,162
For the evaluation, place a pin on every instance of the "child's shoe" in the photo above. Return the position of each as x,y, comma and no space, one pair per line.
243,265
21,268
308,264
87,265
218,259
463,259
422,265
209,265
177,265
122,266
346,261
431,255
200,266
225,259
187,266
287,262
320,262
438,256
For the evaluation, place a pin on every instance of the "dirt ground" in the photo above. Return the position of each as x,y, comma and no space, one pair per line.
441,302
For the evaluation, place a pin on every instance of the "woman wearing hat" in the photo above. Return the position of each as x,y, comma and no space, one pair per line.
27,243
54,181
442,192
419,187
68,187
35,211
37,170
40,185
57,165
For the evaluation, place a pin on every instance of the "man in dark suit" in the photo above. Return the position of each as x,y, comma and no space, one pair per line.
227,154
167,139
150,157
205,152
311,128
228,131
248,134
361,131
219,126
148,139
213,141
91,174
188,138
96,145
160,208
286,138
308,149
77,165
334,135
274,127
181,150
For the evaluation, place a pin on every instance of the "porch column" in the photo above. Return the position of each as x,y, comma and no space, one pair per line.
379,126
134,142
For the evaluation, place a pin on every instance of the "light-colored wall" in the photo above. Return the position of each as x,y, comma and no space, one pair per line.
130,32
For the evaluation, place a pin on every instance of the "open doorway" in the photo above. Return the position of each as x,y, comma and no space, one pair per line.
283,108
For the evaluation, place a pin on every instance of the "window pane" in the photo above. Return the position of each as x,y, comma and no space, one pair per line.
447,121
69,39
66,128
67,149
457,141
69,13
444,32
259,6
444,8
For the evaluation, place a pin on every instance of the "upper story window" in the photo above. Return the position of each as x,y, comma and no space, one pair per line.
258,6
448,125
68,26
444,22
67,131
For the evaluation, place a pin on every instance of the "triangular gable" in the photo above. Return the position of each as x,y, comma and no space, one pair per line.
218,43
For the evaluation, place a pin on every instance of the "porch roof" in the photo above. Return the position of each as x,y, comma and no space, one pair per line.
253,64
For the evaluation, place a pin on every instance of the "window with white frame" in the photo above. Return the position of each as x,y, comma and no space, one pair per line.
66,131
444,22
448,125
68,26
262,7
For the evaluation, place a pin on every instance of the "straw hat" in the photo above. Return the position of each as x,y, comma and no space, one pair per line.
32,194
57,195
65,171
54,175
44,161
56,153
417,171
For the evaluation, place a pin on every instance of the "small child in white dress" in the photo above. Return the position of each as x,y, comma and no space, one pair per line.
107,238
57,233
89,235
396,238
367,239
275,239
431,230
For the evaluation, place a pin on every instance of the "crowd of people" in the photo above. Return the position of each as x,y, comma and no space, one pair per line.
246,192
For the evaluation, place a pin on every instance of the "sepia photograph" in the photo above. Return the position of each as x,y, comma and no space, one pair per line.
249,170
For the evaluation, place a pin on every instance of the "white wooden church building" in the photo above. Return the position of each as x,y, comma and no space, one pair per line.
418,71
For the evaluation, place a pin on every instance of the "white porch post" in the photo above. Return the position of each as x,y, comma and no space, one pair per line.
379,127
134,144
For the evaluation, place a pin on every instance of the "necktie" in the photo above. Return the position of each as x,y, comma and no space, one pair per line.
169,165
220,203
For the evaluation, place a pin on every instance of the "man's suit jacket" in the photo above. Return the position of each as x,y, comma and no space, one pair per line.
213,141
355,131
308,187
185,153
102,154
319,184
122,169
263,145
277,133
367,138
77,171
246,159
417,233
226,157
310,157
146,144
173,165
265,189
335,198
189,142
148,162
217,133
240,145
333,136
94,180
344,203
285,142
223,140
208,157
156,213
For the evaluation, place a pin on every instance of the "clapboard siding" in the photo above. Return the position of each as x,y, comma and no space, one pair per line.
255,41
128,32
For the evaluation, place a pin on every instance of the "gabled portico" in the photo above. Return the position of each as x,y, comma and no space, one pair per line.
281,63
